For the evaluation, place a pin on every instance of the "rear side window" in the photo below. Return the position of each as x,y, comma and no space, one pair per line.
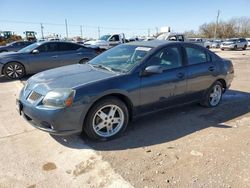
68,46
196,55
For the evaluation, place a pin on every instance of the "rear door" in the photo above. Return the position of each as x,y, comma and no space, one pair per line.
167,88
71,53
201,71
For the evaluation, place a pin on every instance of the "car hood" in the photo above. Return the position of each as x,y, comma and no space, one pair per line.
71,76
9,54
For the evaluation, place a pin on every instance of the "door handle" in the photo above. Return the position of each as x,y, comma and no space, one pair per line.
79,53
180,75
211,68
55,56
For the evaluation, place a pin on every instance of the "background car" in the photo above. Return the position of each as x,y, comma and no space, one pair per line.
248,41
216,43
42,56
102,96
15,46
234,44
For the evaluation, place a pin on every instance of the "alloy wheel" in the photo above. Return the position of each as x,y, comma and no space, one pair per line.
108,120
14,71
215,95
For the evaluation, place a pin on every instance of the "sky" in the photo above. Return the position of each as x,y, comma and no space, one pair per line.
132,17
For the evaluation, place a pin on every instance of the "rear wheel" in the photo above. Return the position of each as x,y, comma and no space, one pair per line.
235,47
14,70
245,47
213,96
106,119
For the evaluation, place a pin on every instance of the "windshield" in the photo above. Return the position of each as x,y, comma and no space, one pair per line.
121,58
29,48
104,37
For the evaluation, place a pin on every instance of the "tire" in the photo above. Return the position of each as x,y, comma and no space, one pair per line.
208,47
101,114
235,47
212,99
222,49
245,47
14,70
83,61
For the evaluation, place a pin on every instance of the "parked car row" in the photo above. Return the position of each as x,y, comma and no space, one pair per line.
100,97
42,56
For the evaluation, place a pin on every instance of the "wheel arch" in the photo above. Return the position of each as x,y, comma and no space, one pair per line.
224,84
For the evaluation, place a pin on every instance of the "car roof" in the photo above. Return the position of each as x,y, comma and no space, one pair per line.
44,42
152,43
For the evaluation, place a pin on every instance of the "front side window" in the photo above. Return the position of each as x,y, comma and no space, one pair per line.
196,55
114,38
169,58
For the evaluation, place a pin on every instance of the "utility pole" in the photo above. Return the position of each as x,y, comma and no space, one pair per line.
81,30
217,23
66,26
42,30
156,29
148,32
99,32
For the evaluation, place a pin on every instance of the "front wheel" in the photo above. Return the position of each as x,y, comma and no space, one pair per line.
245,47
14,70
106,119
213,96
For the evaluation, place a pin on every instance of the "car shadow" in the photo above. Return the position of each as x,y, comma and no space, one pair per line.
170,124
3,79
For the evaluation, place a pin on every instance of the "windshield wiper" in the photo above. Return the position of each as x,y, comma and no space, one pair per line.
104,67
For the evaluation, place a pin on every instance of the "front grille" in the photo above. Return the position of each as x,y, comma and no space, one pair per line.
34,96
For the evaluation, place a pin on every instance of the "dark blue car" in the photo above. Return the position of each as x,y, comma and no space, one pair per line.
129,80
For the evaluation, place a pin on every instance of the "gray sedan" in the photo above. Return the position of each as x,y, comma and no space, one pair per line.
42,56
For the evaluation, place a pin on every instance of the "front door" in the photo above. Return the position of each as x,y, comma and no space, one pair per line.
48,57
167,88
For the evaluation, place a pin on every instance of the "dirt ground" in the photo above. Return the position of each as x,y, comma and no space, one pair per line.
188,146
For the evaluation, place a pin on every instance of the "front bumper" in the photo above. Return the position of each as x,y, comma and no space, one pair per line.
231,46
63,121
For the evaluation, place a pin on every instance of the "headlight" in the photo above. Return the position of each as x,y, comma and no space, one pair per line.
59,98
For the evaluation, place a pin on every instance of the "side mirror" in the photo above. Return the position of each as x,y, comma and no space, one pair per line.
35,51
153,69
